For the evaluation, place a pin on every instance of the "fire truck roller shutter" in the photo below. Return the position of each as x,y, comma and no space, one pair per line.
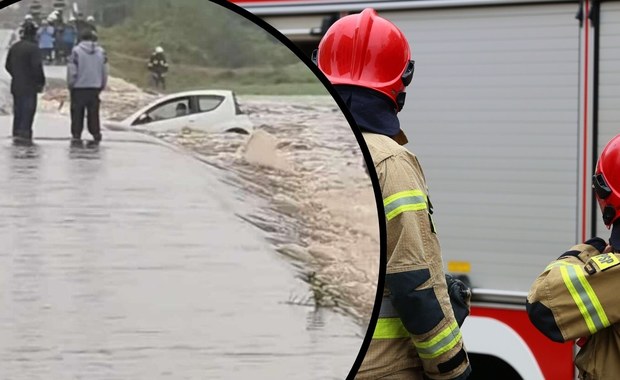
609,86
493,112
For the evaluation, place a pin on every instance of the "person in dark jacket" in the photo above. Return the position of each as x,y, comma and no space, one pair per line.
27,23
92,23
83,27
87,76
68,40
25,65
59,31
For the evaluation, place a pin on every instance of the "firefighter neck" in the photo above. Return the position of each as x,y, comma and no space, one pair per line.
373,112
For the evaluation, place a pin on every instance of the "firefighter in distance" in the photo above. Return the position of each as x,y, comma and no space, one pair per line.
158,67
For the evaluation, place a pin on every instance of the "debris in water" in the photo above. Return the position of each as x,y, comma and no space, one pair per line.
262,149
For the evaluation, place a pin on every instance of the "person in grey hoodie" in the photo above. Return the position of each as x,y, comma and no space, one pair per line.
87,76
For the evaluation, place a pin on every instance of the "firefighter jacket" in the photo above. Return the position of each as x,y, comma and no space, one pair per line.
158,63
575,297
416,335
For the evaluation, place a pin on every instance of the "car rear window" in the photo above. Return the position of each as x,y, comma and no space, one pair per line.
209,103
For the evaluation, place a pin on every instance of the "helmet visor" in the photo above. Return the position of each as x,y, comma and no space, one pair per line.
407,76
601,188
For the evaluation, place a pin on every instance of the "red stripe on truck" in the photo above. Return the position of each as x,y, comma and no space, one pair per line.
554,359
585,119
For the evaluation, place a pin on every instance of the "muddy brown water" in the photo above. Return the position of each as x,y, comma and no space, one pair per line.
305,163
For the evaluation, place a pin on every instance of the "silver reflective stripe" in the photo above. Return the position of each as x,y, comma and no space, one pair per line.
411,200
387,309
441,343
589,299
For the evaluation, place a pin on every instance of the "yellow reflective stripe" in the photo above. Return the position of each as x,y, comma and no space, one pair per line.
595,301
410,200
578,301
441,343
447,339
390,328
584,296
407,193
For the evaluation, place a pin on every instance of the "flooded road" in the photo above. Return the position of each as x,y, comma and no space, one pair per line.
303,165
129,260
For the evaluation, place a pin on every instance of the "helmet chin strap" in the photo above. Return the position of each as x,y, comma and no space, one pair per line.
609,213
406,78
400,100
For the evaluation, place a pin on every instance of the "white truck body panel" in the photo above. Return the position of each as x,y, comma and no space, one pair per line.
609,84
492,114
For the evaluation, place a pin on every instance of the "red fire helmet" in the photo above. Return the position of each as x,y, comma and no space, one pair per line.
606,181
369,51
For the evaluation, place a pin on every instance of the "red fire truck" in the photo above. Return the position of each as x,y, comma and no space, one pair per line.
510,105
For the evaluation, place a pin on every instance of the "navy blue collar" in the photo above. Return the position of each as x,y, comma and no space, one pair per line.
372,111
614,240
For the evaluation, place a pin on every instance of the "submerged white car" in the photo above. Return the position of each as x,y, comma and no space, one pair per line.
211,111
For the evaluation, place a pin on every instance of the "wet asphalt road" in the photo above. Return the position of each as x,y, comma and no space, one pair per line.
126,261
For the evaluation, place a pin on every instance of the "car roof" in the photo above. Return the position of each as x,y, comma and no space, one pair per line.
194,93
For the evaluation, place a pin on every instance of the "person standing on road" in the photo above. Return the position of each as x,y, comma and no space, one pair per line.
59,32
87,76
25,65
575,297
28,21
46,41
368,60
68,40
92,23
83,26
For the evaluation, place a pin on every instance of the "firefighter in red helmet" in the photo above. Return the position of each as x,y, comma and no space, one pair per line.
575,297
606,184
368,60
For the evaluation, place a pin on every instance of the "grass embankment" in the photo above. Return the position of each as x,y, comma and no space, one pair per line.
292,79
128,53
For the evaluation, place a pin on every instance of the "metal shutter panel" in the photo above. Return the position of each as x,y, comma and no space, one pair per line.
492,115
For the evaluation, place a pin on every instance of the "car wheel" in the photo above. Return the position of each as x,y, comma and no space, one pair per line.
240,131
